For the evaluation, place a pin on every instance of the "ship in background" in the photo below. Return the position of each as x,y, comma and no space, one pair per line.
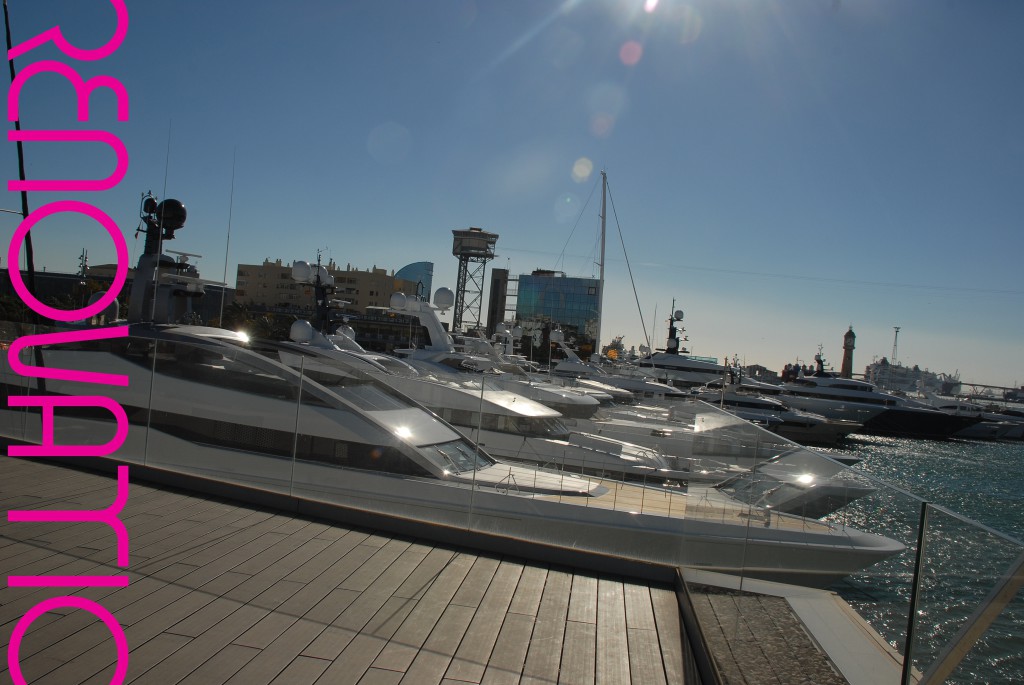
910,379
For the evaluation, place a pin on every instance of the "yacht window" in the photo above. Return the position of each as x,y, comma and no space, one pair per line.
355,455
540,427
223,367
458,456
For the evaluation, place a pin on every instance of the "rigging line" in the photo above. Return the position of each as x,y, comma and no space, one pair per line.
628,267
160,232
561,255
227,246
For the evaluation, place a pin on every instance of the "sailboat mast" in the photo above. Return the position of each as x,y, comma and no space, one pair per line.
600,283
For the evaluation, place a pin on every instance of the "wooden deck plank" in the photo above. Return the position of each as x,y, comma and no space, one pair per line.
378,676
364,647
276,658
221,666
545,648
473,654
505,666
612,664
530,589
578,654
583,599
399,653
432,661
144,655
365,605
670,632
639,612
471,591
644,659
302,671
426,572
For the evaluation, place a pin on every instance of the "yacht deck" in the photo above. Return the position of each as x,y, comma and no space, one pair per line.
699,503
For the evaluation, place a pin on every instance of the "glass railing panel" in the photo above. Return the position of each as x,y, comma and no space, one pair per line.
222,413
18,423
968,591
91,424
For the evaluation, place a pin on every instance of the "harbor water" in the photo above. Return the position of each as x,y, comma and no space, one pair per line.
983,481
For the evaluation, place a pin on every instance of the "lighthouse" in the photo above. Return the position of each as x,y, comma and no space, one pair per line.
847,369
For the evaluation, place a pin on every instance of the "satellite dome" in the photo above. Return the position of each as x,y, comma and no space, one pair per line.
399,301
444,298
301,331
171,214
302,272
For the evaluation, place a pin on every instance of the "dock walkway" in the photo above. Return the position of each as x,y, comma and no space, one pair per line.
230,593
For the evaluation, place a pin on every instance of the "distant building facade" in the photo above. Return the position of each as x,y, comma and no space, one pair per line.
366,294
68,290
269,286
550,299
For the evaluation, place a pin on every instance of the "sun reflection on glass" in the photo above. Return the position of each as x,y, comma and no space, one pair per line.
403,432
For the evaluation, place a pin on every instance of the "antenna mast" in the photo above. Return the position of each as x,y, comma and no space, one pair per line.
600,283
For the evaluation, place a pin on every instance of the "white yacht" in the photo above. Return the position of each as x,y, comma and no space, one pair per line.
827,393
803,427
639,385
200,402
439,356
675,365
992,425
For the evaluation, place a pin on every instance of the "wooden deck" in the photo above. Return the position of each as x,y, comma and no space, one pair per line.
228,593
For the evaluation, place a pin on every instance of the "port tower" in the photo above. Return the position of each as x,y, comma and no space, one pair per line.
474,247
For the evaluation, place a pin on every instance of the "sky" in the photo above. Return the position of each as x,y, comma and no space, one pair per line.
779,170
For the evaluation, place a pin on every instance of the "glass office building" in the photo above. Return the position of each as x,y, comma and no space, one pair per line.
550,299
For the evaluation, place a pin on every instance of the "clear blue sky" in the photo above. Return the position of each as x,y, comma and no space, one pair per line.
781,169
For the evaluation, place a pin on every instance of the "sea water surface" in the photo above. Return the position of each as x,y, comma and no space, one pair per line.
980,481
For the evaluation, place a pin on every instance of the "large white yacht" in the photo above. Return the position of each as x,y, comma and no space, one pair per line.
200,402
825,392
675,365
804,427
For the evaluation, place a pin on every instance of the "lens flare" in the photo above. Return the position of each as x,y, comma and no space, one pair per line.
567,208
601,125
582,168
650,6
630,53
692,24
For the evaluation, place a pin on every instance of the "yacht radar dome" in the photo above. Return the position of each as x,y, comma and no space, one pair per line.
399,301
444,298
302,272
301,331
678,315
171,214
